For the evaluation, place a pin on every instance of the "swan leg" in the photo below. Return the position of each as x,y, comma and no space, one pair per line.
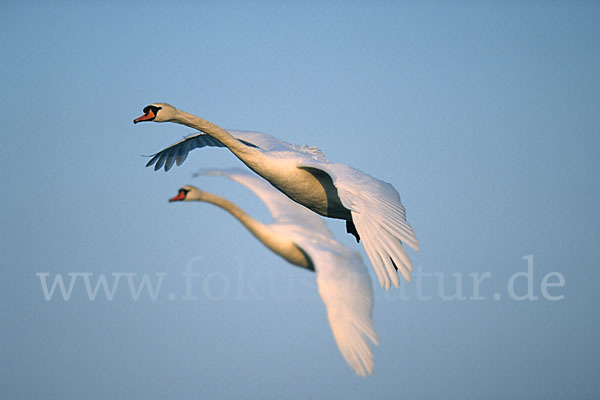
351,229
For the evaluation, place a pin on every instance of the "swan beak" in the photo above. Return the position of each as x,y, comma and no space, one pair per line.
180,196
149,116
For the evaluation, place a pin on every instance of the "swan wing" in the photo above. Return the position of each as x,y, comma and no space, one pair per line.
284,210
272,144
379,218
178,152
345,288
262,140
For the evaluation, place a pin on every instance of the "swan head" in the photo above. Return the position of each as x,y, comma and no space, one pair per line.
157,112
187,193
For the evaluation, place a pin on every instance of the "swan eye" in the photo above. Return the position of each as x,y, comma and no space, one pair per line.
183,192
153,108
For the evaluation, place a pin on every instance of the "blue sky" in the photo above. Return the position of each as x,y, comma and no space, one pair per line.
483,116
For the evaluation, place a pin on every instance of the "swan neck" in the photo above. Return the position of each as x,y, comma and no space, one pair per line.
187,119
281,246
250,223
201,124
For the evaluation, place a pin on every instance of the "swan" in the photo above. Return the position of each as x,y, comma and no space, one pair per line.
371,208
302,238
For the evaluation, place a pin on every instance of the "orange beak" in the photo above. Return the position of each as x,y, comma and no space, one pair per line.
149,116
180,196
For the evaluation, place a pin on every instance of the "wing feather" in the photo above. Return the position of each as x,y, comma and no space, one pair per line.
345,288
372,253
379,218
171,159
161,160
182,152
392,246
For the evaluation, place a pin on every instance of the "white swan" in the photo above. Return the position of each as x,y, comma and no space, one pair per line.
302,238
371,208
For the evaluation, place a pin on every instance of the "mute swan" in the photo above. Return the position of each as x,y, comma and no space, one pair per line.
302,238
371,208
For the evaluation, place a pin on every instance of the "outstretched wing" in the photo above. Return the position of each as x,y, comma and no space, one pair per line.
379,218
283,210
178,152
345,288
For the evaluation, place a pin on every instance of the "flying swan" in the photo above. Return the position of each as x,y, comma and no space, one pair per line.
302,238
371,208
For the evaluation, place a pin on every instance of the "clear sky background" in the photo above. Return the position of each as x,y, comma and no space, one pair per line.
484,116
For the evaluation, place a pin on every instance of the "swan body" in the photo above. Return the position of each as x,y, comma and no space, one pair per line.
302,238
371,208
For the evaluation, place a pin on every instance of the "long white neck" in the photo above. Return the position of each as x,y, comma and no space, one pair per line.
282,246
241,151
316,192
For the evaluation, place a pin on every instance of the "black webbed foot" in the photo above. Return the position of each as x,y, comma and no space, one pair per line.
351,229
